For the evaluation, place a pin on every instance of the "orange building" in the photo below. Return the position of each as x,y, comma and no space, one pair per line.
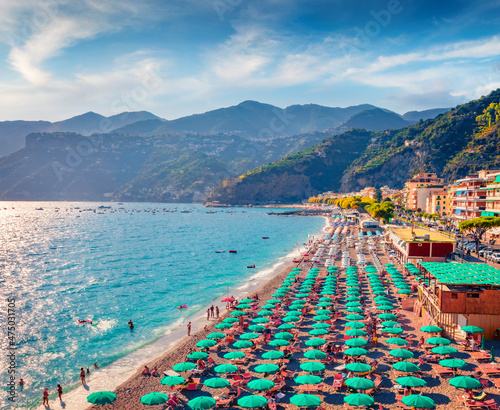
418,188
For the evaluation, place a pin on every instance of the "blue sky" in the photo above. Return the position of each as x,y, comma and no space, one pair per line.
60,58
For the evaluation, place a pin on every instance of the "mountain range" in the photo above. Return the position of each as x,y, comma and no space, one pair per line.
141,157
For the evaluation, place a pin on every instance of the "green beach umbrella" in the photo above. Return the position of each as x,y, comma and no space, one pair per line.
242,344
355,332
326,299
302,295
411,381
287,326
288,319
293,313
249,336
359,399
202,402
273,355
355,325
387,316
465,382
320,325
274,301
318,332
265,313
315,342
353,298
223,325
438,341
315,355
308,379
472,329
184,367
392,330
312,366
397,341
256,328
268,306
305,400
405,366
252,402
405,291
217,383
101,398
230,320
226,368
379,292
385,307
353,304
444,350
355,351
261,320
354,310
237,313
243,306
279,342
418,401
356,342
359,383
234,355
173,380
354,317
206,343
401,353
216,336
324,312
389,323
431,329
452,363
321,318
358,367
261,384
155,398
246,300
197,355
297,306
284,335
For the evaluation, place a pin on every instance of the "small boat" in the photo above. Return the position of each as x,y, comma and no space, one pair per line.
233,251
219,251
296,261
265,237
251,267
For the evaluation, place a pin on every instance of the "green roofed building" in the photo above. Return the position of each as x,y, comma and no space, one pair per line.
459,295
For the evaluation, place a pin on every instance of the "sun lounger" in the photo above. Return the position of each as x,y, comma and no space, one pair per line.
223,402
442,371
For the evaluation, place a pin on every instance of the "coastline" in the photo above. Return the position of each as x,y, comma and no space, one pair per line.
124,375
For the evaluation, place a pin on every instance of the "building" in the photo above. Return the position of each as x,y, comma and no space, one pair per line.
492,198
438,203
455,295
418,188
469,195
417,245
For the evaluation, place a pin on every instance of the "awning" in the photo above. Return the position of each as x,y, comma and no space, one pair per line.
458,193
497,179
457,211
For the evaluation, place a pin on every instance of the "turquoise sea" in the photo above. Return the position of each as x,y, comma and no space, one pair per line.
63,262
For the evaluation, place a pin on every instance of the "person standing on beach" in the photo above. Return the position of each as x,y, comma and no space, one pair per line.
217,312
59,392
46,397
212,311
82,376
208,314
189,328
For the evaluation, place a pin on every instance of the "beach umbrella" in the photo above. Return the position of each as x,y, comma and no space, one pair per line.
287,326
353,304
359,399
234,355
274,301
202,402
223,325
326,299
284,335
242,344
308,379
472,329
392,330
205,343
261,384
355,351
465,382
444,350
315,355
297,306
243,306
268,306
318,332
226,368
387,316
184,367
320,325
431,329
397,341
197,355
418,401
411,381
305,400
279,342
216,336
299,302
155,398
288,319
358,367
293,313
405,291
273,355
354,310
401,353
438,341
261,320
228,299
452,363
354,317
172,380
359,383
389,323
355,332
315,342
321,318
302,295
405,366
249,336
230,320
324,312
312,366
355,325
246,300
217,383
381,299
353,298
385,307
356,342
252,402
265,313
256,328
237,313
101,398
379,292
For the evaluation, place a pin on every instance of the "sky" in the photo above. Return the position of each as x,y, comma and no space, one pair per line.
61,58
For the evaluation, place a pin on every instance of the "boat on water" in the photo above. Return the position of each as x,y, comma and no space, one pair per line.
233,251
251,267
218,251
265,237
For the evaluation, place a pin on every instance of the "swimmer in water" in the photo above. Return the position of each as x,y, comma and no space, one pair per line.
130,324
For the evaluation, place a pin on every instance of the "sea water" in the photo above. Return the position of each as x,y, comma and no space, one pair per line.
64,262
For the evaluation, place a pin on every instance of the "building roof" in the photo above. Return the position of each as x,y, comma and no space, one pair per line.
405,235
473,274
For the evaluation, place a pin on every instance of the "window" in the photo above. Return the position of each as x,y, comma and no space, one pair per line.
454,295
473,295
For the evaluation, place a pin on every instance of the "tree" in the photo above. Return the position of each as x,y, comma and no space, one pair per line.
478,227
378,195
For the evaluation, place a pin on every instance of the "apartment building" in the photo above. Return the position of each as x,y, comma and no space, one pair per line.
418,188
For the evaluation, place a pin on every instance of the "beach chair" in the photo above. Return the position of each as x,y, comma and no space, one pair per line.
338,381
442,371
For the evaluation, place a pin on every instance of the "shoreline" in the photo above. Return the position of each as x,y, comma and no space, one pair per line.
127,369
